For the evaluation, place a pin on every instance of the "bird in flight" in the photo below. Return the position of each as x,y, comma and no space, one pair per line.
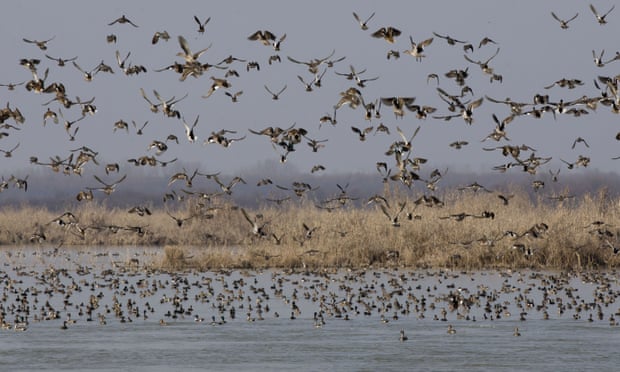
122,20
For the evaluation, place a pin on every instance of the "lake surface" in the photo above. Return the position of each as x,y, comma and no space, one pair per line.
359,317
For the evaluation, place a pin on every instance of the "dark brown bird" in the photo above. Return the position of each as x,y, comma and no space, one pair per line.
122,20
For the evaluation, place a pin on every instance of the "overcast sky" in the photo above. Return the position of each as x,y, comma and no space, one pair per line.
534,52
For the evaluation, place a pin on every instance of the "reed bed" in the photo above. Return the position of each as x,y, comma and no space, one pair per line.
573,234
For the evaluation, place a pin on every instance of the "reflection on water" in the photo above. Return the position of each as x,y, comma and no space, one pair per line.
342,321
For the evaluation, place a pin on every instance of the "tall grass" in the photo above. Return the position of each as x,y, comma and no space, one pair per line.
539,233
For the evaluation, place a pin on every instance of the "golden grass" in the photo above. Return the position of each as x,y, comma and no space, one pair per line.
218,236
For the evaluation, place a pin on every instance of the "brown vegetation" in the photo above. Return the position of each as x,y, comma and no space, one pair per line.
470,231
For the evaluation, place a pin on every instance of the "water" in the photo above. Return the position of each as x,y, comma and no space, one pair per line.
566,341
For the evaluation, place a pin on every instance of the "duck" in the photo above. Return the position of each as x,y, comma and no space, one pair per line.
403,337
601,19
417,49
275,96
108,188
160,35
234,96
387,33
563,23
42,44
363,23
123,20
484,66
449,40
88,75
257,230
201,25
265,37
362,132
187,54
189,131
315,63
61,61
217,84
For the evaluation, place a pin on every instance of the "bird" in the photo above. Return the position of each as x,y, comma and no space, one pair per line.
450,40
217,84
403,337
183,176
88,76
569,83
563,23
484,66
484,41
317,168
11,86
189,131
393,218
475,187
180,220
163,35
228,188
257,229
398,104
139,131
201,25
362,132
308,86
395,54
316,144
315,63
159,145
9,153
108,188
601,18
274,58
234,96
598,59
579,139
387,33
187,53
61,61
140,210
275,96
458,144
265,37
363,23
121,124
123,20
253,65
42,44
417,49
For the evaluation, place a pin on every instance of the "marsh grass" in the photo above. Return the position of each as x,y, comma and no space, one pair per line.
218,236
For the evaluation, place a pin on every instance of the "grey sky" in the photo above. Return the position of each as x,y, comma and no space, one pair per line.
534,52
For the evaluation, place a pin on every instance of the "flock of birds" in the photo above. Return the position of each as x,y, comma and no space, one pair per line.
78,289
63,109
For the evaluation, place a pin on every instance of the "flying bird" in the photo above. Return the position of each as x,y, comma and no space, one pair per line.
122,20
563,23
42,44
363,24
601,18
201,25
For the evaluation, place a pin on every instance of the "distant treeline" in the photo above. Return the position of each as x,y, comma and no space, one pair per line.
56,191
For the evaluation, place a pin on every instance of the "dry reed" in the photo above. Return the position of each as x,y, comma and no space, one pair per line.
574,234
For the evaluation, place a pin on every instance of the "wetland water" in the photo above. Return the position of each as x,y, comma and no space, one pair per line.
359,317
